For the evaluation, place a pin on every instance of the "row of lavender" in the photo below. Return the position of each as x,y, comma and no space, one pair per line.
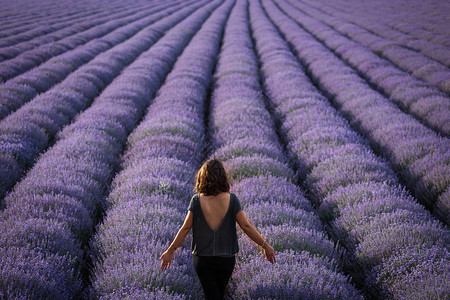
16,43
396,20
31,129
49,218
51,214
28,11
43,18
388,66
40,54
14,31
150,196
244,136
397,249
418,49
418,154
50,63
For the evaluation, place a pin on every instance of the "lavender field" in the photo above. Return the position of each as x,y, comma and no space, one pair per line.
332,119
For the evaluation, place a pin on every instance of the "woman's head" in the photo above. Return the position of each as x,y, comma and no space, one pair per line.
212,178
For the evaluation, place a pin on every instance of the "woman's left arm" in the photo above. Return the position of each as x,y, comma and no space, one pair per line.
167,256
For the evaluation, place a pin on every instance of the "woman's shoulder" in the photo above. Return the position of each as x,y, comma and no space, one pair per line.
195,200
235,201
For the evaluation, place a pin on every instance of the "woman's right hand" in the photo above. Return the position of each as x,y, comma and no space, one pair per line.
166,259
269,253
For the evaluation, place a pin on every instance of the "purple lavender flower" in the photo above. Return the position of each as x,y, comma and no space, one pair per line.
294,275
238,113
414,272
44,275
271,189
48,112
156,184
396,135
364,206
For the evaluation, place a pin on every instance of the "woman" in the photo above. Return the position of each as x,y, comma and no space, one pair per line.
212,214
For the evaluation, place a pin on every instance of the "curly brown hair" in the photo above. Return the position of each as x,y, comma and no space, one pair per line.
212,179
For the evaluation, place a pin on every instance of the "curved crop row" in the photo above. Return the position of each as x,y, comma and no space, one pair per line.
150,196
418,154
19,24
398,250
398,19
50,215
51,25
94,41
21,89
41,35
31,129
431,50
244,137
425,102
17,32
432,72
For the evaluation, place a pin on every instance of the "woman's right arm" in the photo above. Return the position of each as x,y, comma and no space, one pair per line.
253,234
167,256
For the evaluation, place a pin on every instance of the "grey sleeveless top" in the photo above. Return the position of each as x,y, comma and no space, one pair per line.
220,242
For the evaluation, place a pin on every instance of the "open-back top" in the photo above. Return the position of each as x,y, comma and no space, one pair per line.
219,242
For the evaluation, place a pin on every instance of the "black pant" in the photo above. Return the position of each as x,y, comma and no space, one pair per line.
214,273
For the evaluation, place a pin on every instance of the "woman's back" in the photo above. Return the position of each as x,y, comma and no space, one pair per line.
214,224
215,208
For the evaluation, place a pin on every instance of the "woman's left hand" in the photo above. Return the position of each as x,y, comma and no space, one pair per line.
270,253
166,259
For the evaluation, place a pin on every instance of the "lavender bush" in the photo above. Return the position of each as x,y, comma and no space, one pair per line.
399,24
419,98
44,117
154,185
23,87
239,117
399,137
331,118
21,18
98,36
61,28
356,192
432,72
64,191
